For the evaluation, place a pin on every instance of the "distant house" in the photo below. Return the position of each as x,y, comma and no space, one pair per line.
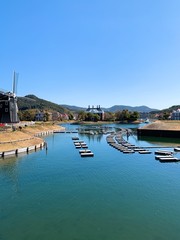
39,116
56,116
96,110
43,116
75,116
64,116
175,115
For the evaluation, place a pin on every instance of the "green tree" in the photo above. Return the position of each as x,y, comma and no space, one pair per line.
109,116
71,117
133,116
96,117
82,116
46,116
27,115
166,115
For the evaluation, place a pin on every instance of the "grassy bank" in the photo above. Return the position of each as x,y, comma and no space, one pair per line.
25,136
163,125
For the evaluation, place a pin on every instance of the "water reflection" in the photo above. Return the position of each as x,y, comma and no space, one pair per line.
92,137
9,171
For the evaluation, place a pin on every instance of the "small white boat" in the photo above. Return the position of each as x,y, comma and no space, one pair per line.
177,149
146,120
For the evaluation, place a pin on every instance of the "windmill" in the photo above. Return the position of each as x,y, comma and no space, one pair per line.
8,103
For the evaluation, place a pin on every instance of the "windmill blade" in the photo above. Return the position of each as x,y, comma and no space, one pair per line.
15,81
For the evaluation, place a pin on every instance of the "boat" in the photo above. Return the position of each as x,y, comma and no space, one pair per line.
146,120
177,149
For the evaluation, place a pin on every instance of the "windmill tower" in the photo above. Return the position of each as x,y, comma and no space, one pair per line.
8,104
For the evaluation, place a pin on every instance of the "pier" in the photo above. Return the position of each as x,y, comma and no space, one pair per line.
65,131
117,141
80,144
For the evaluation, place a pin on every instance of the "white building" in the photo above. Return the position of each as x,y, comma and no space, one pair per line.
96,110
175,115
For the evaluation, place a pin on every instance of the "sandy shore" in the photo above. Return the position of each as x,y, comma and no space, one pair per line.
11,140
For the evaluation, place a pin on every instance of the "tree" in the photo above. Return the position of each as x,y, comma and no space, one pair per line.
81,115
70,115
46,116
134,116
125,115
166,115
96,117
27,115
109,116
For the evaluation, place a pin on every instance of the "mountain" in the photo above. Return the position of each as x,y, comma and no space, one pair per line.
114,108
33,102
170,109
73,108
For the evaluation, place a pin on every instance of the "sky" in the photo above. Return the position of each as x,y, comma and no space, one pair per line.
92,52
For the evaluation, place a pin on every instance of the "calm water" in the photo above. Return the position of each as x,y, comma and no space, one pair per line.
59,195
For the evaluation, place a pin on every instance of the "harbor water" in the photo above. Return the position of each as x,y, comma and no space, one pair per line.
56,194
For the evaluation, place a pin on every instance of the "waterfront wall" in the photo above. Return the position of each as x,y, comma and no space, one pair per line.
158,133
18,151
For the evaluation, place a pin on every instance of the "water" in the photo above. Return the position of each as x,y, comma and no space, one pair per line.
59,195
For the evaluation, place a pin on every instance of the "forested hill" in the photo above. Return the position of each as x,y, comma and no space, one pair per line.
33,102
115,108
175,107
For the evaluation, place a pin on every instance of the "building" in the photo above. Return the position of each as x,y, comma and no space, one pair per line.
175,115
43,116
8,104
96,110
8,107
39,116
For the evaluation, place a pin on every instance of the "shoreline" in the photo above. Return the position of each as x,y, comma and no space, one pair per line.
25,139
169,129
31,137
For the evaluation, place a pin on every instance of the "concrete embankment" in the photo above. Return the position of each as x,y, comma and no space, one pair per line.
169,129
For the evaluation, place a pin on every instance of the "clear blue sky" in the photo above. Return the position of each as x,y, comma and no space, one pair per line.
91,52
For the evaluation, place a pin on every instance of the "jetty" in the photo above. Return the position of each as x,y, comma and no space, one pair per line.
65,131
80,144
163,152
117,141
169,159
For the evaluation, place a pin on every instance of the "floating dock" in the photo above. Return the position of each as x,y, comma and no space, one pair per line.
84,152
163,152
87,154
116,141
157,157
169,159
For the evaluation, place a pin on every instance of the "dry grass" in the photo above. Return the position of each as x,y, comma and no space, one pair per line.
10,140
164,125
